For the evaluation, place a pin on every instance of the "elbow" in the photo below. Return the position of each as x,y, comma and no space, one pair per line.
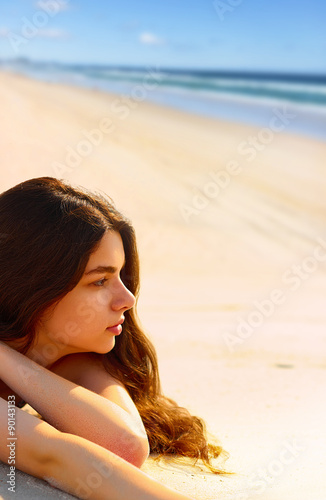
134,449
141,454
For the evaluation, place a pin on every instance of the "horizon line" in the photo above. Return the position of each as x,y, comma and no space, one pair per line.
221,71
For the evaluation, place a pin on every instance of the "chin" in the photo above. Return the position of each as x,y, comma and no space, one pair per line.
105,347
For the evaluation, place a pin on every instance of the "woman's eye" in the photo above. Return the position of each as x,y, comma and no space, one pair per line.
100,282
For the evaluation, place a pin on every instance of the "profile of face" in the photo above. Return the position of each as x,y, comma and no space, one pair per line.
80,321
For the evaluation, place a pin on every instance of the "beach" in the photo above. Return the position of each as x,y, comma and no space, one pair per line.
230,223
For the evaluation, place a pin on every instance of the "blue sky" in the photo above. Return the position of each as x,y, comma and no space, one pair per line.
279,35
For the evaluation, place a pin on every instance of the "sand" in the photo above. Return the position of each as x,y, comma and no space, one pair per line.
232,241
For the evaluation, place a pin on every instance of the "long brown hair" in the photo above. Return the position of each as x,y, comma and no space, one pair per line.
48,231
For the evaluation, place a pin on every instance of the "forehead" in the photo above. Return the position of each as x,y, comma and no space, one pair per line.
110,252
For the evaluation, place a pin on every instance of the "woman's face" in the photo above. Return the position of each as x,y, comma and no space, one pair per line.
79,322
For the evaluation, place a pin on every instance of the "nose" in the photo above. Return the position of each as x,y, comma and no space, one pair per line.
123,299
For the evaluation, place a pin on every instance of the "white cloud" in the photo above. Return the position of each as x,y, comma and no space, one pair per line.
3,32
150,39
52,33
55,5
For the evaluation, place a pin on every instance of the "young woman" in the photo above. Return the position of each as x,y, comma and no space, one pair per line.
71,346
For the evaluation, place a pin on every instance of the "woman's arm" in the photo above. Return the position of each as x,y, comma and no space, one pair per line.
74,464
89,471
24,439
74,409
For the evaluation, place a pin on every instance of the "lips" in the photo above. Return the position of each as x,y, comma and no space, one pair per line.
117,324
116,329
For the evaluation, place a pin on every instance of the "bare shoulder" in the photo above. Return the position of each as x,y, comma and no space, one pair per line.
75,367
87,370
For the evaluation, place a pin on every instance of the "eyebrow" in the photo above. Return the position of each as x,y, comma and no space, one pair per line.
104,269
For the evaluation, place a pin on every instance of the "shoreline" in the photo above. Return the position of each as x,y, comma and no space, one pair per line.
309,120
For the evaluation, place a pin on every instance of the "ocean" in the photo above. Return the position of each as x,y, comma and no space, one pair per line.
246,97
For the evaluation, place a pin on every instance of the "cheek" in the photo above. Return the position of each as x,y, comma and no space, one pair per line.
77,313
67,327
93,303
65,319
